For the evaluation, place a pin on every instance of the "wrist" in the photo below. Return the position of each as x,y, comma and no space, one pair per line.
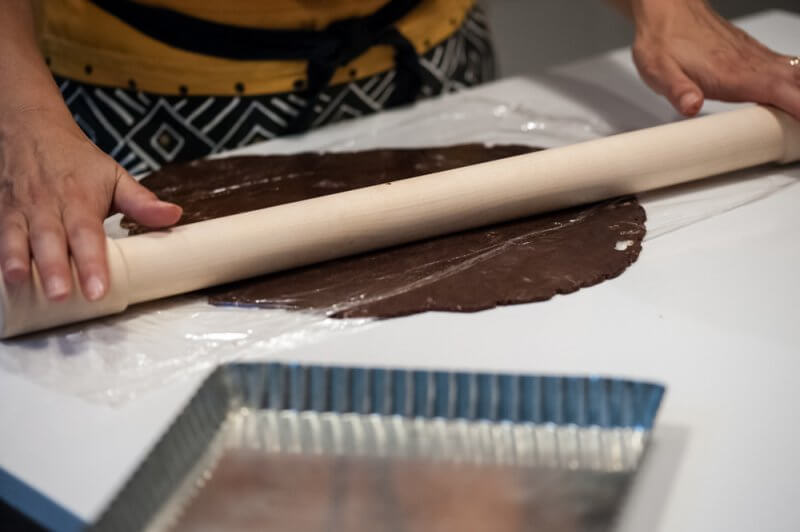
35,93
30,110
26,84
658,16
32,124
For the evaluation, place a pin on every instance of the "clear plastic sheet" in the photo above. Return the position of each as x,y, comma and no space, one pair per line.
114,359
519,262
671,209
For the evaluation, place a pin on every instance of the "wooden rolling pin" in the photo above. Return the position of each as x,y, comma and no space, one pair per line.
203,254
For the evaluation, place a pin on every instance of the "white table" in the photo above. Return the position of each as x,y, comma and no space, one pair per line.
709,309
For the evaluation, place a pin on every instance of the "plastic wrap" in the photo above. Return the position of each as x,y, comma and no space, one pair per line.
672,209
114,359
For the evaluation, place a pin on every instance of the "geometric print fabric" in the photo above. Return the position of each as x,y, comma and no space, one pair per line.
143,131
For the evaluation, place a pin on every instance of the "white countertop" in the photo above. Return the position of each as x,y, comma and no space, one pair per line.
709,308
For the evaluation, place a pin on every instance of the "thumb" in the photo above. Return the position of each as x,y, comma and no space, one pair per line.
667,78
140,204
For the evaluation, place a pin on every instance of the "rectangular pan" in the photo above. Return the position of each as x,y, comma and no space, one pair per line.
273,446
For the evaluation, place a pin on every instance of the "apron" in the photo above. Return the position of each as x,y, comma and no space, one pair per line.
175,86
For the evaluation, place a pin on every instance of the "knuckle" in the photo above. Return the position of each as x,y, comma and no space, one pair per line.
644,49
10,251
78,220
119,172
83,231
35,193
49,258
762,88
713,84
15,191
90,197
676,89
7,191
11,222
51,267
650,51
787,97
648,66
46,223
12,241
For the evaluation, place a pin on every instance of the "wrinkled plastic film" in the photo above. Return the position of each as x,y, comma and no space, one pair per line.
117,358
428,274
367,286
677,207
457,119
120,357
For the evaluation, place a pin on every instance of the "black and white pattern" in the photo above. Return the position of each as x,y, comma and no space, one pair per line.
142,131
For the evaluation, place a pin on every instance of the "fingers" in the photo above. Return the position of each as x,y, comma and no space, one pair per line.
787,97
776,82
51,237
49,233
665,76
688,53
785,94
50,240
55,189
49,247
134,200
14,251
87,245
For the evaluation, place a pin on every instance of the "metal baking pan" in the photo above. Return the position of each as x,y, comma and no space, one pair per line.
293,447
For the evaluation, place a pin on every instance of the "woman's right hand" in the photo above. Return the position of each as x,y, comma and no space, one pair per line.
56,188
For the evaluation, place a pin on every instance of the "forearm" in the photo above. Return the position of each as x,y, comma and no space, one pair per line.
25,81
655,14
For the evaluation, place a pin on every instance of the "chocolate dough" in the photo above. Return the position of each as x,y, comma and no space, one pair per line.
517,262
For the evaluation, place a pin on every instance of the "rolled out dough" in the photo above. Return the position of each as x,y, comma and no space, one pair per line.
517,262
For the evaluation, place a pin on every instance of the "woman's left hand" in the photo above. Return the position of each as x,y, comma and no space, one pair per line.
687,52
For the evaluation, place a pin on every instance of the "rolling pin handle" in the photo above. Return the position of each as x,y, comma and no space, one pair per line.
791,136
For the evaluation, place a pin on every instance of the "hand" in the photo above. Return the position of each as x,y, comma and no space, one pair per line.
56,188
687,52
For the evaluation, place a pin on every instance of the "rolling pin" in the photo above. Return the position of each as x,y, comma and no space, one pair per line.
166,263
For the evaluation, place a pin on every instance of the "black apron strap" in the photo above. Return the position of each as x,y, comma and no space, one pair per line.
325,50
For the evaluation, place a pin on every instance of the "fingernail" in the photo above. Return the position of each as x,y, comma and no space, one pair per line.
689,102
56,287
94,288
14,270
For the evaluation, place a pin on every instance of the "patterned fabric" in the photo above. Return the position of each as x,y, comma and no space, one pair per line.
87,43
142,131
